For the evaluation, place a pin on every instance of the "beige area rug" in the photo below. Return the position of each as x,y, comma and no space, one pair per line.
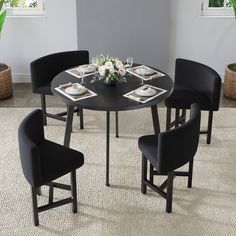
209,208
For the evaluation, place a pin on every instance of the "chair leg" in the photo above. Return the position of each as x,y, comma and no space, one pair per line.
190,172
168,118
81,113
184,115
39,191
169,192
73,191
35,206
144,175
209,127
176,118
43,106
151,173
117,124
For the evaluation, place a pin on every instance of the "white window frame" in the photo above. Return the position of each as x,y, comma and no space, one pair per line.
216,11
27,12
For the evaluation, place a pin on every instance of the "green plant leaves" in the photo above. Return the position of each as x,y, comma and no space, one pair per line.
234,6
2,14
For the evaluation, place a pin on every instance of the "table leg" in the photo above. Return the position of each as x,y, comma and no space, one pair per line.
69,121
107,147
117,125
155,119
156,125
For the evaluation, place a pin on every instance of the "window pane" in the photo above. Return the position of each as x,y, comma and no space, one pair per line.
216,3
30,3
12,3
228,3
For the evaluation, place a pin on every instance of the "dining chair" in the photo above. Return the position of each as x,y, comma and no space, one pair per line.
194,83
167,151
43,161
44,69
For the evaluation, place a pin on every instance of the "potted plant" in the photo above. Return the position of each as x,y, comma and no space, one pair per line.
6,90
230,71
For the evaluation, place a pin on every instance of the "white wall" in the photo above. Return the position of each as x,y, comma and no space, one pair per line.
124,28
25,39
207,40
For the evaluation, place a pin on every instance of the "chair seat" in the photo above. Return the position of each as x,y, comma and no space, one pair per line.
182,98
149,145
44,89
58,160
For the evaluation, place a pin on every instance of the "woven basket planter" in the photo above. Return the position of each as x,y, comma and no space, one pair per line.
6,89
230,81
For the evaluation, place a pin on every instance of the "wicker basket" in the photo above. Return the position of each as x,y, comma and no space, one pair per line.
230,81
6,89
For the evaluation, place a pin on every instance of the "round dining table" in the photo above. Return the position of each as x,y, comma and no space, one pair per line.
109,99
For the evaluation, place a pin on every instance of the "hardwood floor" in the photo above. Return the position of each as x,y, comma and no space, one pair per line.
23,97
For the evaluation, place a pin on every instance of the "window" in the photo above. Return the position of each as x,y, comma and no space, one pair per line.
217,8
25,7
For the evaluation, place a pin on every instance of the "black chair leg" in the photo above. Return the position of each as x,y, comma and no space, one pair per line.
39,191
151,173
35,206
184,115
43,106
117,124
209,127
144,175
176,118
81,113
168,118
169,192
190,172
73,191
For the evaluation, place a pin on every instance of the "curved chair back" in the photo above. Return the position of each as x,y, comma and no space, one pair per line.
30,136
44,69
178,146
200,77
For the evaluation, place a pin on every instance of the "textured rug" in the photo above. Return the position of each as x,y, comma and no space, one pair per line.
209,208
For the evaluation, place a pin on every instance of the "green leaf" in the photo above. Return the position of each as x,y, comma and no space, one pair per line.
234,6
1,4
2,18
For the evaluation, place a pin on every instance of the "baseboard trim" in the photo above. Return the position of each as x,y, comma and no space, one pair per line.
21,78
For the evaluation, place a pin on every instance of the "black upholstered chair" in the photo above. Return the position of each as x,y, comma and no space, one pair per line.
44,69
194,83
168,151
44,161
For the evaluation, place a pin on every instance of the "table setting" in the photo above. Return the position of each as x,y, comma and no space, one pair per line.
111,71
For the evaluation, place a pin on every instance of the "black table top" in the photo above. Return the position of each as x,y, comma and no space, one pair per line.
111,98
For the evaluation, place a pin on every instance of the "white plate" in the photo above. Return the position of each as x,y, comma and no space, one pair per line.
87,68
144,71
75,91
145,92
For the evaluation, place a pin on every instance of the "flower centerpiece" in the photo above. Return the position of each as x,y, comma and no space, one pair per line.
110,69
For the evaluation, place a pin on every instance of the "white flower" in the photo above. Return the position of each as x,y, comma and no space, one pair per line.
122,71
109,65
119,64
102,70
111,70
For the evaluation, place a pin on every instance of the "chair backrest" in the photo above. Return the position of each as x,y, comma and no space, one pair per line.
44,69
178,146
199,77
30,136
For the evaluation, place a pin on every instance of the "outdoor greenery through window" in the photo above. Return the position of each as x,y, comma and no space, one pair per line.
24,7
218,7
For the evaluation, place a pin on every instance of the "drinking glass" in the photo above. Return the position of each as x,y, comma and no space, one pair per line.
82,72
94,61
129,62
142,74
